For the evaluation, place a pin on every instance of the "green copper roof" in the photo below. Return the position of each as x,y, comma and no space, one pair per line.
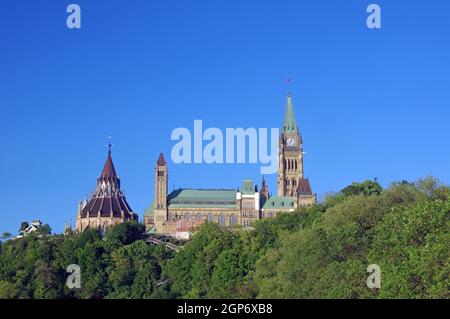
248,187
203,198
280,202
149,211
290,123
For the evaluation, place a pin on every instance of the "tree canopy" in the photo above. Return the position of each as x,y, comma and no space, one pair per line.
320,251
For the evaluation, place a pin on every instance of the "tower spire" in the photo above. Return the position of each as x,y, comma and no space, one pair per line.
290,123
161,161
109,170
264,189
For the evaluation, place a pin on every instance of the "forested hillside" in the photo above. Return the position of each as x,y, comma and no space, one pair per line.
316,252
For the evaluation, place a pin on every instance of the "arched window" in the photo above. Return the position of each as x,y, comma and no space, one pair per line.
221,220
233,219
295,165
211,217
187,216
198,216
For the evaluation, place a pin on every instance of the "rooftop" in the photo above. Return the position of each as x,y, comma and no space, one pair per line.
207,198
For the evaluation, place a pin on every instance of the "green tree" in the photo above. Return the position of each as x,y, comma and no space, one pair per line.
23,226
191,269
6,236
133,271
125,233
367,187
44,230
411,247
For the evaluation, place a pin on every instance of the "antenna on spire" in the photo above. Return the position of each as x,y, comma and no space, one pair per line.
288,83
109,143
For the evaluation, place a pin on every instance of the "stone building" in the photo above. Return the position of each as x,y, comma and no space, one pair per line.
107,205
242,206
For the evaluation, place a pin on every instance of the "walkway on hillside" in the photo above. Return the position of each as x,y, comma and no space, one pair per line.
154,241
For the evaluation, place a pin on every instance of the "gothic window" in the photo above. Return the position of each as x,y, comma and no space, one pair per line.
233,219
211,217
221,220
187,216
198,216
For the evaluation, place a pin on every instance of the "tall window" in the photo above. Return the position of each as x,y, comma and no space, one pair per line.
211,217
198,216
187,216
233,219
221,220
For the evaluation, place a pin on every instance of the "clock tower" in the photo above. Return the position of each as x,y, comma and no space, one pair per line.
290,157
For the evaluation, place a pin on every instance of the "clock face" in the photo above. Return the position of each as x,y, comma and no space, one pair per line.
290,142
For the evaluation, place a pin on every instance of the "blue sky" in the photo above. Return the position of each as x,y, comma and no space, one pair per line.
370,103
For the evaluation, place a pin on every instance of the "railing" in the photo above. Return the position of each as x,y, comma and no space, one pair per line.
155,241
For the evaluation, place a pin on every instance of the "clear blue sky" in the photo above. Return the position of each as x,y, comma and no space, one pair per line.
370,103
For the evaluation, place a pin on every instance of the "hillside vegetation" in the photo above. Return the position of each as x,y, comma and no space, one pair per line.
317,252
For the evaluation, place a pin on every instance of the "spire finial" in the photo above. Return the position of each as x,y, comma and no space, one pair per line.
109,143
288,83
